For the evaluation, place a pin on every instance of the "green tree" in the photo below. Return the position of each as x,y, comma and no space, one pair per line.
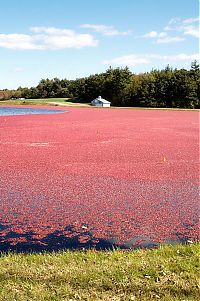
115,86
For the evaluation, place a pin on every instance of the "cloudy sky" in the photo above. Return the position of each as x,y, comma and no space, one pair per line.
71,39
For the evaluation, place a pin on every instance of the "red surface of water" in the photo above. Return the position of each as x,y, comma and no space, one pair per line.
98,177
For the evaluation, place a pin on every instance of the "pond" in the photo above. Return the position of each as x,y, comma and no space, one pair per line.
98,179
10,111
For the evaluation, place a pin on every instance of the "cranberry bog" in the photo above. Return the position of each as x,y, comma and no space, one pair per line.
98,178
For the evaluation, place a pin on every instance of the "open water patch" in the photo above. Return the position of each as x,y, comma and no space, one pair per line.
11,111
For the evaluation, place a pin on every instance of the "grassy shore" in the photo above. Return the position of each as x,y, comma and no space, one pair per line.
168,273
45,102
71,102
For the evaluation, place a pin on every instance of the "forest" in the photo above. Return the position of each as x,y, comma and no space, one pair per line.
166,88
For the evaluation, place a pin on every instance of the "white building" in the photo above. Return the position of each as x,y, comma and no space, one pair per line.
100,102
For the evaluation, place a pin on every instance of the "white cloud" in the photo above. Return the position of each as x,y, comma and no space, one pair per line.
47,38
18,69
128,60
172,24
137,59
52,30
184,57
163,37
191,20
155,34
61,39
105,30
175,26
174,20
162,34
168,28
191,30
169,39
184,26
18,41
151,34
176,57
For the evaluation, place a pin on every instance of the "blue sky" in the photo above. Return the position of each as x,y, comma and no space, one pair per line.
71,39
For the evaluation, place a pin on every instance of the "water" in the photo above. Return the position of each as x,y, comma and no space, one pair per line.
72,214
11,111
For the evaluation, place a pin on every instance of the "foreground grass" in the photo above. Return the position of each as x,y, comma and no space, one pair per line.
167,273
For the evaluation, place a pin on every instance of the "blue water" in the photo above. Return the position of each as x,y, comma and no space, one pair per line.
7,111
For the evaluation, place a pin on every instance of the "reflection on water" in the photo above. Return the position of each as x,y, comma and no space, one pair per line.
55,241
111,213
10,111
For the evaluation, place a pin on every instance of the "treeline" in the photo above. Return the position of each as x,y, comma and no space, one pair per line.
178,88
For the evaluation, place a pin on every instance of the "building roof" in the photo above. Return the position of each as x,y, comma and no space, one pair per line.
99,98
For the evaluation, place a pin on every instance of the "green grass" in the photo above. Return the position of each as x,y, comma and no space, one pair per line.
44,101
168,273
73,102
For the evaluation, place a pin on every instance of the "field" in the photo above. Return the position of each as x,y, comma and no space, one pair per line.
45,102
168,274
74,102
98,178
